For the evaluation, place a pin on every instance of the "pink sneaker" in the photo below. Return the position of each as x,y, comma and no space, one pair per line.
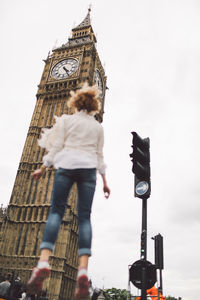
82,291
39,274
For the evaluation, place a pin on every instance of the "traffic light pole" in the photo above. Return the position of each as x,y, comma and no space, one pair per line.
144,230
141,168
159,259
144,247
161,285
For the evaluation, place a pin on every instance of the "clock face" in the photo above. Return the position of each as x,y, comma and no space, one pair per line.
98,82
65,68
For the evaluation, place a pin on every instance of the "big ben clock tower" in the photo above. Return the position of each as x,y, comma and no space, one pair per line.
67,68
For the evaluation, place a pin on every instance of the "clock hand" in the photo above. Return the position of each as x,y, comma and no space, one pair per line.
67,71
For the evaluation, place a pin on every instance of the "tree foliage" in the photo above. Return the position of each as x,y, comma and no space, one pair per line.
115,294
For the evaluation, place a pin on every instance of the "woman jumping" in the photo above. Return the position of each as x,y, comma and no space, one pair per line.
75,149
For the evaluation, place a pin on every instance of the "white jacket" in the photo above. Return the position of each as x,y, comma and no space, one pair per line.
75,141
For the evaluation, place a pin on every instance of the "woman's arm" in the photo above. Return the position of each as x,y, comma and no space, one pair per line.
101,165
106,189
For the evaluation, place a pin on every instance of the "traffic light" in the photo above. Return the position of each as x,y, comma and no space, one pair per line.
159,261
141,165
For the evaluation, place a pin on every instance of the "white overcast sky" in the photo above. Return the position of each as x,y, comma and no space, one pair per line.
151,53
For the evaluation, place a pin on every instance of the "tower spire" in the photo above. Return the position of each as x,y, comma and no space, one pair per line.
81,34
86,22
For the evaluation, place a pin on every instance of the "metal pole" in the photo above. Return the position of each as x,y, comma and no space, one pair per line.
161,285
158,294
144,230
128,296
144,294
144,247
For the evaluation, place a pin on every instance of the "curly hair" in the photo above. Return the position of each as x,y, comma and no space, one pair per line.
86,98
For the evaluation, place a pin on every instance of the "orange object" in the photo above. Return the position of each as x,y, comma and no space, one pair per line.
153,292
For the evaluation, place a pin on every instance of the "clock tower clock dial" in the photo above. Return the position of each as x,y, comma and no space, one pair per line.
65,68
98,81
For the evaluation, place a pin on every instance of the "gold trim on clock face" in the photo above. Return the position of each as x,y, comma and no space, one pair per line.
98,81
65,68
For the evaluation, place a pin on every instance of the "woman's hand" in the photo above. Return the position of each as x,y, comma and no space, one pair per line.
38,173
106,191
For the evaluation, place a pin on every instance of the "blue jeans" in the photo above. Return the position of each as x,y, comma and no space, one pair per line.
63,181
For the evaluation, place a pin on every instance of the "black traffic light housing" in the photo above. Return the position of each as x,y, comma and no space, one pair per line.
159,261
141,165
